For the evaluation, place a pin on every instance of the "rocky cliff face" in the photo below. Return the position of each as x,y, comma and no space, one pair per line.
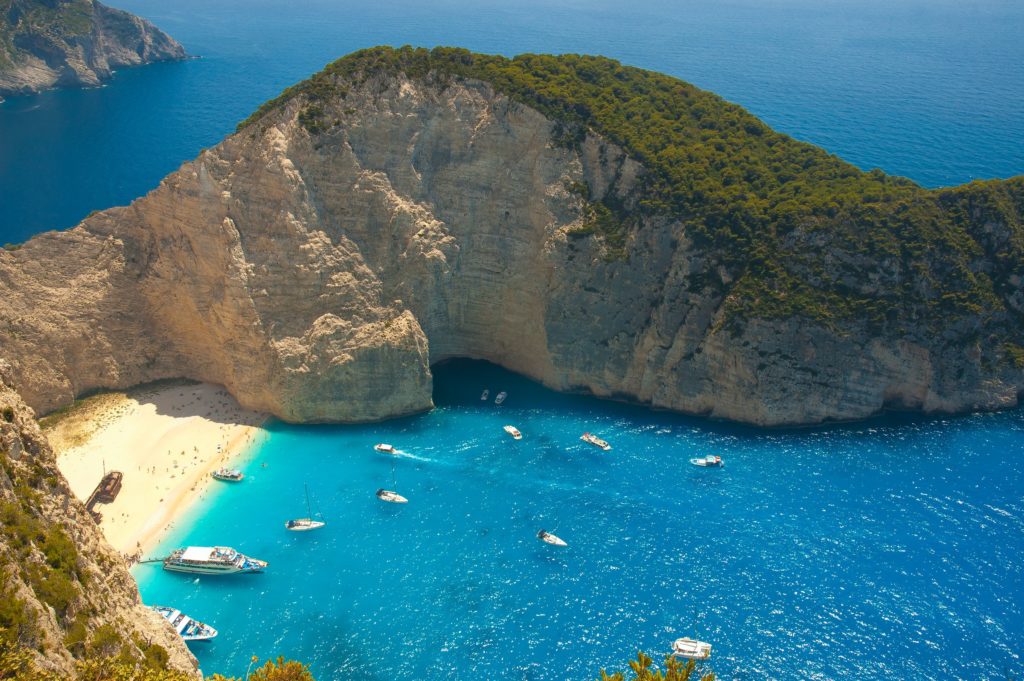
60,43
317,265
65,592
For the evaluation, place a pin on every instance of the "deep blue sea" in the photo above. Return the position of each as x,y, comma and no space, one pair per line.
889,549
930,89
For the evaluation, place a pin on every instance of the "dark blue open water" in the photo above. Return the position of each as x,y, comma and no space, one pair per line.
889,549
931,89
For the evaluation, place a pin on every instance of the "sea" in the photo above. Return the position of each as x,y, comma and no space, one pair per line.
883,549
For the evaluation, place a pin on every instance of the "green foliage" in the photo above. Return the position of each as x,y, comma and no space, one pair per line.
799,231
674,670
274,670
1015,353
16,622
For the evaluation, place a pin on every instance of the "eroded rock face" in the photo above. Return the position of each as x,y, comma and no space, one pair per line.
72,43
102,592
318,276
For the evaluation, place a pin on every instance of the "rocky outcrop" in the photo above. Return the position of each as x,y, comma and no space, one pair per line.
317,268
66,592
71,43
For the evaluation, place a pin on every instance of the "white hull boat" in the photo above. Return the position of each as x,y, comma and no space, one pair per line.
211,560
188,628
708,462
596,441
514,432
385,448
227,475
305,524
691,649
391,497
501,397
549,538
485,395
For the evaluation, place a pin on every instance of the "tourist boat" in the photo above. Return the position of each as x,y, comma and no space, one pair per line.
549,538
708,461
228,475
691,649
308,523
484,395
188,628
514,432
501,397
391,497
596,441
211,560
384,447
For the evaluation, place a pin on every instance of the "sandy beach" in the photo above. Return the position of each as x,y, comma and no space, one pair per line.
166,440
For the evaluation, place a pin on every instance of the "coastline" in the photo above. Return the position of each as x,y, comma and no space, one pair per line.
166,439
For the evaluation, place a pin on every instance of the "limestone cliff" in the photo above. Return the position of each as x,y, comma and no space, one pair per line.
65,593
59,43
380,218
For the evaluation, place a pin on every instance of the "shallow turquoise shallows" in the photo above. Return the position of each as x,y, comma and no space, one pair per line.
930,89
889,549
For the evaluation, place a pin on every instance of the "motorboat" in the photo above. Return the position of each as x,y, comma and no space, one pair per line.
691,649
385,447
514,432
211,560
308,523
500,397
391,497
708,461
228,475
188,628
596,441
485,395
549,538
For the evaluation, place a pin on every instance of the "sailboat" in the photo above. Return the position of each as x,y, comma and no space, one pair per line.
307,523
391,496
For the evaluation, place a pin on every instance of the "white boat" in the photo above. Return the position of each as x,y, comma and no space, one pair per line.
708,461
514,432
385,447
228,475
596,441
501,397
211,560
308,523
691,649
484,395
549,538
188,628
391,497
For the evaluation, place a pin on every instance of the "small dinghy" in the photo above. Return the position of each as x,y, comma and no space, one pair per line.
308,523
514,432
391,497
385,447
596,441
549,538
227,475
501,397
188,628
691,649
484,395
708,461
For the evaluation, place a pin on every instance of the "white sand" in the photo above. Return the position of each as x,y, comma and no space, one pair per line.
165,440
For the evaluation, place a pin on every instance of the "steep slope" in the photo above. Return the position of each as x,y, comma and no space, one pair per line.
64,592
59,43
593,226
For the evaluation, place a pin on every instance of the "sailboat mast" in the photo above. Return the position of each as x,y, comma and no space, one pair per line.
309,509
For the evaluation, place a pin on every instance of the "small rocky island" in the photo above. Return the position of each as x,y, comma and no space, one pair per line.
73,43
596,227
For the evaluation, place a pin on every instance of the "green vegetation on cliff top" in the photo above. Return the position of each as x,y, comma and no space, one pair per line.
794,229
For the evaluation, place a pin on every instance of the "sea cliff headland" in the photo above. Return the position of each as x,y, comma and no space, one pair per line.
596,227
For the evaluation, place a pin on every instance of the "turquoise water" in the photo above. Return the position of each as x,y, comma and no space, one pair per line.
930,89
889,549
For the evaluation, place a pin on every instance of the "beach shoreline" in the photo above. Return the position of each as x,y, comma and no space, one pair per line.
166,439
